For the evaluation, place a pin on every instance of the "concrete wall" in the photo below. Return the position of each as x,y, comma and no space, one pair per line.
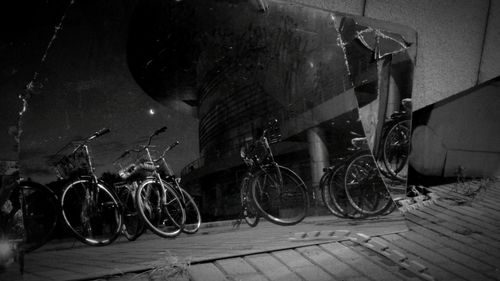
460,131
451,33
490,63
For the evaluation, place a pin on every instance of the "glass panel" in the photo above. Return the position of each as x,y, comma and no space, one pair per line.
219,75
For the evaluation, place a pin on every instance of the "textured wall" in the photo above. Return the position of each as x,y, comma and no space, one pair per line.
450,42
354,7
451,35
490,64
460,131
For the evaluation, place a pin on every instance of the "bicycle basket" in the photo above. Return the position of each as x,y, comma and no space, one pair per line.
129,166
73,165
257,151
273,133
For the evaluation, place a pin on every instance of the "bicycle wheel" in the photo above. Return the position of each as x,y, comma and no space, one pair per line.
396,150
160,208
92,212
325,194
133,226
337,197
250,214
364,187
280,195
40,213
193,216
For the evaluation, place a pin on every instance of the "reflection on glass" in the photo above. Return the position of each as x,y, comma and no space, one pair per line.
215,78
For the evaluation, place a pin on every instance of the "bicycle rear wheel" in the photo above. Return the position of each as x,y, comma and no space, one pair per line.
133,225
92,212
250,213
160,208
280,195
193,217
324,185
396,150
335,196
40,213
364,187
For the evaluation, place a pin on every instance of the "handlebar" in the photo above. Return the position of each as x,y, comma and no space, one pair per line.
170,147
157,132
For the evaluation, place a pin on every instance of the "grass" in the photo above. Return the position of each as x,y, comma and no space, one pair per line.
168,268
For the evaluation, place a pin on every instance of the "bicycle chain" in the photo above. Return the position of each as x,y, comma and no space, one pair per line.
366,241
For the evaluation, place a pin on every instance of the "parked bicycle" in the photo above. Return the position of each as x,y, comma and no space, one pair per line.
164,206
89,207
29,212
395,145
353,188
268,189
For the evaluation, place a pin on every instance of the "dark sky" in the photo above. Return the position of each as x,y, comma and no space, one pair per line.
83,85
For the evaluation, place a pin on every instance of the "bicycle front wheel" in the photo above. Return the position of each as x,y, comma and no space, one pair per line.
364,186
92,212
335,196
193,216
40,212
396,150
133,225
160,208
280,195
250,214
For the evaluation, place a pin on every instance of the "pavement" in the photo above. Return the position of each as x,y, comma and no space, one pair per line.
72,260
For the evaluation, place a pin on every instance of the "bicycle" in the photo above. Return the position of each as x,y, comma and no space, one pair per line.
394,151
277,193
352,188
28,216
133,225
166,208
89,207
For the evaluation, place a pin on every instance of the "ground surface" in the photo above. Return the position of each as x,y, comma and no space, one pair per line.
455,238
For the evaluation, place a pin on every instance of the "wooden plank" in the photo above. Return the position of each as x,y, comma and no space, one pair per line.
272,268
301,266
362,264
478,213
206,272
462,227
474,252
452,254
432,256
454,228
330,263
382,261
239,269
433,270
452,216
480,200
473,242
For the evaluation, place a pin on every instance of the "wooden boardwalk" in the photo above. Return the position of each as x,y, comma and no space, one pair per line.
456,238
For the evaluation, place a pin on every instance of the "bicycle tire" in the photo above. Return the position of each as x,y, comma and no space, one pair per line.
93,223
271,204
396,148
338,196
325,194
40,213
133,225
165,221
250,213
364,187
193,216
